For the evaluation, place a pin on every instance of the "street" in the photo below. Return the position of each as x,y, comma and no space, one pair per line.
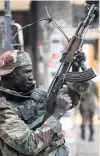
77,146
86,148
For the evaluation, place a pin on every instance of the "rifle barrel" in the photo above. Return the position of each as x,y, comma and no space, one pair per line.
88,20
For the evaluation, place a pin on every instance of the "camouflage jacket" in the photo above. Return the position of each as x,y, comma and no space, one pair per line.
89,98
23,133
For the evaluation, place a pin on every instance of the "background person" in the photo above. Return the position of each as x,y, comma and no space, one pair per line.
87,109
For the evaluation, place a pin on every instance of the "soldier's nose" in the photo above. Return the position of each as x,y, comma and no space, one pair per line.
31,77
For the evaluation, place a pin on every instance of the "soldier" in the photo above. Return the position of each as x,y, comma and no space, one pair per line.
87,109
24,126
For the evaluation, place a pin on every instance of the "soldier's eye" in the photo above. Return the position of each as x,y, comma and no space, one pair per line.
28,71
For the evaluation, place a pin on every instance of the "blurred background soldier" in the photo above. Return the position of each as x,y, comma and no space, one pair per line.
87,109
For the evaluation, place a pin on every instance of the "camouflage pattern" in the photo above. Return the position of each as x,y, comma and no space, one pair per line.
12,59
26,133
87,109
80,87
88,102
16,137
23,130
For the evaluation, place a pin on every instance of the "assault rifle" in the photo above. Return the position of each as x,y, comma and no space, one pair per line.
63,73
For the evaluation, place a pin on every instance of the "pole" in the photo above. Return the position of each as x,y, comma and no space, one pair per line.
7,26
33,39
46,52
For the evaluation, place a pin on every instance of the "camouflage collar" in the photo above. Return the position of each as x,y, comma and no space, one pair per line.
8,92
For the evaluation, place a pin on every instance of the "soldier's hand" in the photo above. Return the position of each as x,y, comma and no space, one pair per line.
63,102
78,57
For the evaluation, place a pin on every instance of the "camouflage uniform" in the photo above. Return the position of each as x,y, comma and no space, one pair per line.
17,134
87,108
23,130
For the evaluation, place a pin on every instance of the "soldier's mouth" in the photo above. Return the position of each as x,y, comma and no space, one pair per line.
29,84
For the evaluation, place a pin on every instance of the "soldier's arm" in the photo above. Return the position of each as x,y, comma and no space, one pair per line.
75,91
94,89
17,134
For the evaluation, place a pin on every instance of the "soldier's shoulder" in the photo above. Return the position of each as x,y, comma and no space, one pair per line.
3,101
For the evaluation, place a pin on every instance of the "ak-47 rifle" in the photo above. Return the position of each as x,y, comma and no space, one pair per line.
63,73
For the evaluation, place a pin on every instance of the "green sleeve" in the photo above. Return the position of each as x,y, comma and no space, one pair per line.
17,134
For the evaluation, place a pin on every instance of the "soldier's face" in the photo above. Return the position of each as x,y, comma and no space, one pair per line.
23,78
